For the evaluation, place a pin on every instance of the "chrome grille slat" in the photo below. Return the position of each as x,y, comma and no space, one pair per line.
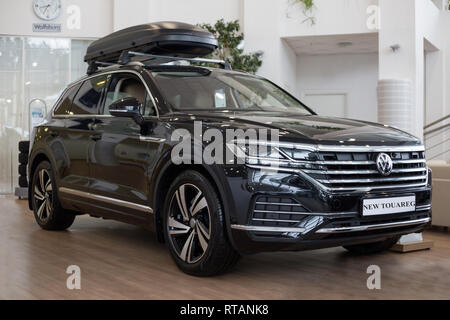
277,211
387,179
275,220
364,189
280,204
409,161
334,172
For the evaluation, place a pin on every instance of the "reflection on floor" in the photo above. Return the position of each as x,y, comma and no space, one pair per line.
119,261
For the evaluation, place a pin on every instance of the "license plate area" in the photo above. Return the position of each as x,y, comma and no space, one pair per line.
388,205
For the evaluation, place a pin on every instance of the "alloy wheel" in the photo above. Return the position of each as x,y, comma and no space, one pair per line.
189,223
43,195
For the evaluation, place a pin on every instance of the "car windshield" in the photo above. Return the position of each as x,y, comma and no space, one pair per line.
202,89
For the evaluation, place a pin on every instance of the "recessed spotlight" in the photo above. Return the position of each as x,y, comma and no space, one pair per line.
344,44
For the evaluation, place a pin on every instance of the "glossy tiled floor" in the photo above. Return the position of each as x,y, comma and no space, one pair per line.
119,261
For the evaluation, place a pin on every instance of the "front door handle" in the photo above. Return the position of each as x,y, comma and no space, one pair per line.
96,137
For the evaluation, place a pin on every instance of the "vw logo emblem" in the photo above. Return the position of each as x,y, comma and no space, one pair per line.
384,164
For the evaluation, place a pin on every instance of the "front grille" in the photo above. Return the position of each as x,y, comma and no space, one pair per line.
357,171
277,212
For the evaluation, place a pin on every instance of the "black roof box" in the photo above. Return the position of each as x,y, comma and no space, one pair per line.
162,38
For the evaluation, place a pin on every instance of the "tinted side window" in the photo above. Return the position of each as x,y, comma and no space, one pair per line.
63,108
88,98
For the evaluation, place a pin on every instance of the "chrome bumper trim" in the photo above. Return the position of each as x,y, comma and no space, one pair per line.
266,229
114,201
374,226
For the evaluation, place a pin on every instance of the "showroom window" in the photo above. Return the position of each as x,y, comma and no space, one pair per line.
32,70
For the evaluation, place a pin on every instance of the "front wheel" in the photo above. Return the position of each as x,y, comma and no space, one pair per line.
373,247
47,210
194,227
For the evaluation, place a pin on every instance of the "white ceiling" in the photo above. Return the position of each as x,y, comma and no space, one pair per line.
329,44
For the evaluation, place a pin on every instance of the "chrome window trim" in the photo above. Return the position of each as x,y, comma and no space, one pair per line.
374,226
103,115
153,139
115,201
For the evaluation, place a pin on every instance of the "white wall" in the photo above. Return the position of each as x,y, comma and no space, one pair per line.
331,17
354,74
17,17
131,12
263,20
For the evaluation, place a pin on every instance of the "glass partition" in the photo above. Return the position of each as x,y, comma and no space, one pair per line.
31,68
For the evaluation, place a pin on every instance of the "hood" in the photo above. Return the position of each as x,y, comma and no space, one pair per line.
308,129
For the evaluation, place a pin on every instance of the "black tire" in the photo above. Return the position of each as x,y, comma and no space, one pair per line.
47,210
207,224
24,146
23,170
23,158
374,247
23,182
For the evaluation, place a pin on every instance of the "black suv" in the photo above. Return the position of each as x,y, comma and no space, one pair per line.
106,150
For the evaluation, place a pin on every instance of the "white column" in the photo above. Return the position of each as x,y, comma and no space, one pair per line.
400,59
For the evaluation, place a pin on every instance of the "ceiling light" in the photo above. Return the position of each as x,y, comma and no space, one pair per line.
344,44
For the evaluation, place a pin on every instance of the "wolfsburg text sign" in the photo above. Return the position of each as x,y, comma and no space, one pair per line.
46,27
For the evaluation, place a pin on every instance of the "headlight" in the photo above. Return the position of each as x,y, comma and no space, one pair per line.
262,153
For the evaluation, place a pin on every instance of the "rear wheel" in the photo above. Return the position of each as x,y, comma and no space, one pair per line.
194,227
374,247
47,210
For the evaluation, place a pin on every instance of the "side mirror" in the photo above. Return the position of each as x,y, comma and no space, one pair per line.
127,108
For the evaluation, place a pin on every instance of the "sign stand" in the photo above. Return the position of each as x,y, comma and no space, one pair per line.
36,116
412,242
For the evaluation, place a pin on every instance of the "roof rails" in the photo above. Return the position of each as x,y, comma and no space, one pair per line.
126,56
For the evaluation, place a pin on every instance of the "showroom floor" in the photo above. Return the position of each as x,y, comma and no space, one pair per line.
120,261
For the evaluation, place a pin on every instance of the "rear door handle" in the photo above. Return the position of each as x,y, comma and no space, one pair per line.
96,137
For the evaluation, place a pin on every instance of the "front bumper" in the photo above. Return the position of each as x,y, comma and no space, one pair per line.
329,220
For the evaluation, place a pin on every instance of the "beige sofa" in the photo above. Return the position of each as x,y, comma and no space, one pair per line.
441,193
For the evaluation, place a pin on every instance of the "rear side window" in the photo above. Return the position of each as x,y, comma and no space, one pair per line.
88,98
63,107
